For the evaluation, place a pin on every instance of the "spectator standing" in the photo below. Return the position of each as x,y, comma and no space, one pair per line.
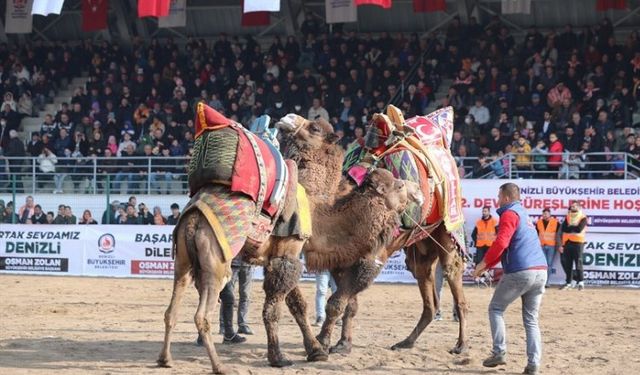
547,228
61,217
111,215
87,218
573,232
71,218
15,148
158,219
484,233
27,210
555,155
131,216
175,214
144,216
317,111
324,280
9,216
39,217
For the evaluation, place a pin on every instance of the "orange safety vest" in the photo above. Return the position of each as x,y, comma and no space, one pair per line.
574,237
547,235
486,232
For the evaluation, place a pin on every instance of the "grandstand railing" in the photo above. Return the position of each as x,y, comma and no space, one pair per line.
597,165
163,175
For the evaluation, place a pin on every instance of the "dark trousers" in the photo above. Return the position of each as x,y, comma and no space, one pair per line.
573,255
480,252
241,275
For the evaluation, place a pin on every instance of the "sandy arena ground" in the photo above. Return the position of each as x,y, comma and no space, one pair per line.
114,326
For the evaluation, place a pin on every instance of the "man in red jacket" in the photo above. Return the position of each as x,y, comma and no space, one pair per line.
525,275
555,155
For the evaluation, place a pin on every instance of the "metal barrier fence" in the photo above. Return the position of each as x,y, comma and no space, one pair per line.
162,175
565,165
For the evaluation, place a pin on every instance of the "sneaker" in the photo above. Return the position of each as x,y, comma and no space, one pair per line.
245,330
236,339
567,287
438,316
318,322
531,370
581,285
495,360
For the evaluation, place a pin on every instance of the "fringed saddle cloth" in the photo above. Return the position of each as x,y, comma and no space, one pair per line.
415,150
252,183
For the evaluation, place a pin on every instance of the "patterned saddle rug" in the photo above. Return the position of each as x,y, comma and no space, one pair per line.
227,153
415,150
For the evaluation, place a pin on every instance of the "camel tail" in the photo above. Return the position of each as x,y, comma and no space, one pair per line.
192,250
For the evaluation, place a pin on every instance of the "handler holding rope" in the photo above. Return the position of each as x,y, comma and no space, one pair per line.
525,275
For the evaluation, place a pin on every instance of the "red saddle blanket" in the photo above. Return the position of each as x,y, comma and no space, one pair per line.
249,161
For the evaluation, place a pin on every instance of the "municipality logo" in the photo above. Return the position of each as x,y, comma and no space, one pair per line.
106,243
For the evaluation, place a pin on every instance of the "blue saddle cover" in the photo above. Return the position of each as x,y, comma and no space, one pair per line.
260,127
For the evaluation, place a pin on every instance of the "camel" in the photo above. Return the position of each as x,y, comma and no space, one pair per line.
200,258
421,260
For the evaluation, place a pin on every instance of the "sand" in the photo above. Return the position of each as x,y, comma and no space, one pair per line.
114,326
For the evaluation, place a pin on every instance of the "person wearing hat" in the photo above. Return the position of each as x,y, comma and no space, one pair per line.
111,215
557,95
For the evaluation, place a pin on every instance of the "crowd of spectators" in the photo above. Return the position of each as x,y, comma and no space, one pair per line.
117,213
564,91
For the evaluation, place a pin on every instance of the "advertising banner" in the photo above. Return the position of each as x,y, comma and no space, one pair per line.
128,250
39,249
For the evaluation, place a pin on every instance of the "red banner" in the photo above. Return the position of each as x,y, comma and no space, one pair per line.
94,14
604,5
381,3
255,18
153,8
429,6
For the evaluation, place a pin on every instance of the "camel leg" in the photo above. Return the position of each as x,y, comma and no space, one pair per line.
421,263
298,308
281,276
214,274
453,266
350,282
345,343
182,279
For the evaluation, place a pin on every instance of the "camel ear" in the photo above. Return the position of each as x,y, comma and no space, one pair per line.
332,138
378,183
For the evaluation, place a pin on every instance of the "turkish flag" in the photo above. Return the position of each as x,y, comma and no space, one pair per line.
604,5
386,4
254,18
94,14
153,8
428,6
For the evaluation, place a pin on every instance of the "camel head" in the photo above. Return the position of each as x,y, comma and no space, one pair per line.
302,133
395,192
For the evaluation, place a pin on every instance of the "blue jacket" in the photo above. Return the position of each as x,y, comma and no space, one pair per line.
524,251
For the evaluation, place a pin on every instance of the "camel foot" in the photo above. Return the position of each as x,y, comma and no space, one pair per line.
280,362
324,342
222,370
342,347
164,362
404,344
318,355
459,349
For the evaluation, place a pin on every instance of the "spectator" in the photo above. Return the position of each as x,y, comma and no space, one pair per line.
39,217
9,216
175,214
131,216
484,233
558,95
87,218
27,210
144,216
522,158
555,155
540,165
71,218
480,113
111,215
317,111
15,148
50,217
127,170
34,147
61,218
158,219
573,232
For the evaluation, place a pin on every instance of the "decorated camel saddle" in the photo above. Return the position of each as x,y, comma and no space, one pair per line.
240,182
418,150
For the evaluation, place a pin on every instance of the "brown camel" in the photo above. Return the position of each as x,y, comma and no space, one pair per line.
200,258
420,259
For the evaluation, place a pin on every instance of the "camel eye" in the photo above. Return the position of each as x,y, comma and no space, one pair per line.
315,128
